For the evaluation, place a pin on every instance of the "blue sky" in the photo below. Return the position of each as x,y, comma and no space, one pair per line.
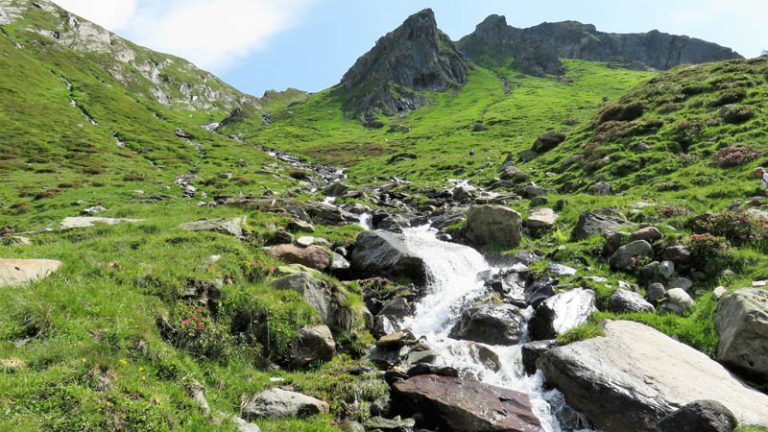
257,45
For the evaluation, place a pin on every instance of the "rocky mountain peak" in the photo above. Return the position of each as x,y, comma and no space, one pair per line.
416,56
538,50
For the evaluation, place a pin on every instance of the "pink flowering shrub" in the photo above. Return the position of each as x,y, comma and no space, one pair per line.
707,246
738,227
735,155
195,331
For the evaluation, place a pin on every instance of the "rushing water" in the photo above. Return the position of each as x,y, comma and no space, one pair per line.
453,286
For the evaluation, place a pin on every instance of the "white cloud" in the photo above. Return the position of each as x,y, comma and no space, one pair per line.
111,14
213,34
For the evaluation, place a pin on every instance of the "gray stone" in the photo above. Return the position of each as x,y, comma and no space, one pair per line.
351,426
720,292
601,188
623,301
93,210
666,269
678,301
633,377
684,284
562,312
493,224
314,291
396,424
86,222
548,141
742,324
16,272
700,416
532,351
590,224
625,258
490,324
541,219
655,292
649,234
561,270
233,226
678,254
276,403
313,344
338,262
382,253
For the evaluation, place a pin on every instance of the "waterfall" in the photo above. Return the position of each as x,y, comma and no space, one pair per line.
452,287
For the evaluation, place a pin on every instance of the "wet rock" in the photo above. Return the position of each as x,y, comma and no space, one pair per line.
540,290
381,253
548,141
396,424
426,369
493,224
626,257
314,257
742,324
336,189
277,403
490,324
86,222
700,416
624,301
486,356
233,227
422,357
562,312
16,272
313,344
394,223
590,224
398,308
532,351
678,301
463,405
396,340
633,377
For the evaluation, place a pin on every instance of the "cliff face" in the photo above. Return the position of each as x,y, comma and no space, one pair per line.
537,50
416,56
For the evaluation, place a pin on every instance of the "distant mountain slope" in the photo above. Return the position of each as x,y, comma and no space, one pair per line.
538,49
168,80
416,56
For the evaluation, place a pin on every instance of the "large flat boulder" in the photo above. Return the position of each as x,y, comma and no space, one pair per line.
233,226
742,324
633,377
562,312
465,405
493,224
313,256
490,324
590,224
14,272
278,403
383,253
89,221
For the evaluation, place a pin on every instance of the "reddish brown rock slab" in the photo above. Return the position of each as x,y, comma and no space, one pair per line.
465,405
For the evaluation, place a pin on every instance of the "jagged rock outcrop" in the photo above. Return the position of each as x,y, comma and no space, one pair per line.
154,75
538,50
416,56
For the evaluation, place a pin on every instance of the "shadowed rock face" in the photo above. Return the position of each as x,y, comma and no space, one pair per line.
416,56
537,50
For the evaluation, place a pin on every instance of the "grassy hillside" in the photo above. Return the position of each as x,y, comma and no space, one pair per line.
434,142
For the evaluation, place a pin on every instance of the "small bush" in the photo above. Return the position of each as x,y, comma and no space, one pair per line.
195,331
587,331
735,155
707,246
736,114
738,227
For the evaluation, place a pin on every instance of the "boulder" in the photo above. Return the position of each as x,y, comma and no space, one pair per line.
493,224
742,324
633,377
700,416
314,257
86,222
678,254
548,141
463,405
15,272
276,403
540,290
678,301
490,324
624,301
541,219
532,351
396,424
562,312
590,224
601,188
313,344
625,257
649,234
655,292
233,227
314,291
382,253
398,308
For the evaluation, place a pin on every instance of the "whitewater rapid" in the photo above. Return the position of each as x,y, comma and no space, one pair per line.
453,285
